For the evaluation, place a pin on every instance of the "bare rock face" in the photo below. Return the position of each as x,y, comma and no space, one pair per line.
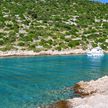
95,95
84,89
93,101
88,88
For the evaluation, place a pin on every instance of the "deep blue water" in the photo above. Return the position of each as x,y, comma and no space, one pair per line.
26,82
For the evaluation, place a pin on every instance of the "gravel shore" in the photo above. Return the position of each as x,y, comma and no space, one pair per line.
32,53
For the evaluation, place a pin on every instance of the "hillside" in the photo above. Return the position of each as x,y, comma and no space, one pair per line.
52,24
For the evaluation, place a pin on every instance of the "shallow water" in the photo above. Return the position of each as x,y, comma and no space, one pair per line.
26,82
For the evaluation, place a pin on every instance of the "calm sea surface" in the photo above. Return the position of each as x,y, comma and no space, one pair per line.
26,82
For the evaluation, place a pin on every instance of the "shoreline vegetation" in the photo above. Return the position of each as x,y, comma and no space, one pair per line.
40,25
32,53
52,26
93,94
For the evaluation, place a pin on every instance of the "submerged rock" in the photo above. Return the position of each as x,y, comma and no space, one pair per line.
60,104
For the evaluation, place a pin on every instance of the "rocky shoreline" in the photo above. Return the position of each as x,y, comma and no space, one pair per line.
32,53
93,94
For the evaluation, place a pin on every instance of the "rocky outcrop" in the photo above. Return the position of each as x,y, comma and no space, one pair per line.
93,101
87,88
84,89
95,95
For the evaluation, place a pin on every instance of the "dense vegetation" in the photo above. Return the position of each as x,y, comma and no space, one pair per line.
52,24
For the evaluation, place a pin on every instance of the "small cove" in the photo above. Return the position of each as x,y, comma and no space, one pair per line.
26,82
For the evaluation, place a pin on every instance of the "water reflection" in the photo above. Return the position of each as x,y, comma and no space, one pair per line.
96,64
95,59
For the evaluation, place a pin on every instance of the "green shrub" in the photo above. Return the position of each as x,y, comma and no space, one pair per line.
21,43
73,44
2,42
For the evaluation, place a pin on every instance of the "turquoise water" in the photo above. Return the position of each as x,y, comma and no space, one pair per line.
26,82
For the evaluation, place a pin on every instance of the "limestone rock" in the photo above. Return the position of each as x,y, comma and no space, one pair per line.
95,95
84,89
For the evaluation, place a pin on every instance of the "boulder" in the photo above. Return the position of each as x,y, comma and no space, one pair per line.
84,89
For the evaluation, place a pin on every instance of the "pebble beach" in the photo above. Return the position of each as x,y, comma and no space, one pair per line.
32,53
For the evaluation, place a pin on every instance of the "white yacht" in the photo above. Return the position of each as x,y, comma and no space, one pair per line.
95,52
